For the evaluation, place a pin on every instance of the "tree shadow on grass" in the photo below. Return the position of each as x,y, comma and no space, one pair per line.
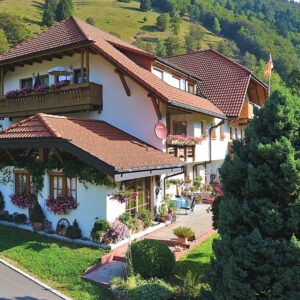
151,28
131,8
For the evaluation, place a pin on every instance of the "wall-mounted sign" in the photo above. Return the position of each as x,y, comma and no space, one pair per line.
161,130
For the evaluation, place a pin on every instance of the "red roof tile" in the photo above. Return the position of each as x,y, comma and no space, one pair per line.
100,139
224,81
72,30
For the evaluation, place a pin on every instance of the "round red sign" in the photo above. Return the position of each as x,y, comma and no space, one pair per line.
161,130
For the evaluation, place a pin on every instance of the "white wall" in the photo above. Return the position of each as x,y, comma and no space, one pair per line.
94,202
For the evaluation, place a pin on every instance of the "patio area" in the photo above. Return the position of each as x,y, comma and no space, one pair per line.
200,222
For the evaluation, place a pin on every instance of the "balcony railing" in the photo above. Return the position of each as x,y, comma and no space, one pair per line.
72,98
185,152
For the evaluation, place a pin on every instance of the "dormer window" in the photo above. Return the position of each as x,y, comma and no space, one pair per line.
191,88
158,73
176,81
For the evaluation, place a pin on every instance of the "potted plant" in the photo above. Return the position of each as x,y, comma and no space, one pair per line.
99,230
183,234
164,207
36,216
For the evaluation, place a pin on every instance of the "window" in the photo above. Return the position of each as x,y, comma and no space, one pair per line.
191,88
26,83
62,186
213,132
44,80
142,201
180,128
23,184
176,81
236,133
158,73
222,132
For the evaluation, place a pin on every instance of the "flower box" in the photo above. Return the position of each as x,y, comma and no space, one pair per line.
61,206
182,140
23,201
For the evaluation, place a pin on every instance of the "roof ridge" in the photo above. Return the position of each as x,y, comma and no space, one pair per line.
216,52
50,128
75,21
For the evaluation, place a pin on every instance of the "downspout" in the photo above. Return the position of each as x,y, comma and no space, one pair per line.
209,149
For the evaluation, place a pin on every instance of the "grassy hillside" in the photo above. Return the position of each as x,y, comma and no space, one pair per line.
124,19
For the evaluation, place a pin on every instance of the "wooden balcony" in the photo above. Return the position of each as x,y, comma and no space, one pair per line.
78,97
185,153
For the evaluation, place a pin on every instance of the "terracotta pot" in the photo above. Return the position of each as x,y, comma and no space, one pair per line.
37,226
163,218
182,240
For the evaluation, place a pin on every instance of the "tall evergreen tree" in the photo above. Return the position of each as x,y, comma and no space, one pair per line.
216,27
49,12
258,253
64,9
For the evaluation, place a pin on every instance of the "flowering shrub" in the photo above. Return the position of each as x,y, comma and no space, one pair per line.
57,85
124,196
184,140
217,188
12,93
23,201
61,206
117,232
41,88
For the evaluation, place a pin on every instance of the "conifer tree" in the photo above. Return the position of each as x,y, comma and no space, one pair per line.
258,253
64,9
49,12
216,26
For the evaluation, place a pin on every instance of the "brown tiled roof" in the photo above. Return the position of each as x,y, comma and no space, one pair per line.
97,138
224,81
76,31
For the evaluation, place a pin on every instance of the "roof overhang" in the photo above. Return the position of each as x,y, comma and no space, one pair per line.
191,108
41,54
65,145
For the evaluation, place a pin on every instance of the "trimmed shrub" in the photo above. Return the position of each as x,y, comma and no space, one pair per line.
2,202
90,20
152,259
73,231
36,214
19,218
152,289
183,232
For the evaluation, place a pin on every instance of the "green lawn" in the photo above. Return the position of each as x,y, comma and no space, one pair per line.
56,263
124,19
196,261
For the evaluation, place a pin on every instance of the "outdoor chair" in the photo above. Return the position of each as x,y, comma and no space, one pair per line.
189,208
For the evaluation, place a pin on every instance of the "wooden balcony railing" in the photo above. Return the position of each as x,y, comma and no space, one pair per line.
72,98
185,153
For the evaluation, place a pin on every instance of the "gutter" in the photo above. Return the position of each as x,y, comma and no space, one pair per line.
209,148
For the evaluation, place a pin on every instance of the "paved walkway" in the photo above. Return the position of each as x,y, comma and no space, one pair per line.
15,286
200,221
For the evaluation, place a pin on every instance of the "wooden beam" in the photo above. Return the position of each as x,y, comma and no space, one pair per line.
28,152
155,103
87,65
124,83
42,154
11,157
82,66
58,155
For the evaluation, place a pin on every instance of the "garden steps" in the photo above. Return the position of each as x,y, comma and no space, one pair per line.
104,274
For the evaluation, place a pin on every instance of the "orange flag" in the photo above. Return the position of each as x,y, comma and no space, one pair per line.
269,67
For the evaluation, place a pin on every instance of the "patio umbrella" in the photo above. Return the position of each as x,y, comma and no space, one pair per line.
37,81
61,71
